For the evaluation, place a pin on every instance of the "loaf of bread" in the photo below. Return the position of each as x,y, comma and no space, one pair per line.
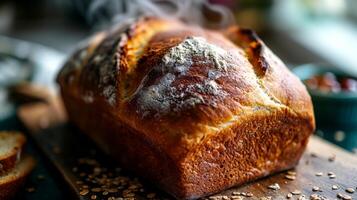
194,111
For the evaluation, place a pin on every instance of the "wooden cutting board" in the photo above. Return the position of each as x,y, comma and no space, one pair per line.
324,172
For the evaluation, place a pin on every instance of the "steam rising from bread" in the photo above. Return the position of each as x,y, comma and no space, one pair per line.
106,12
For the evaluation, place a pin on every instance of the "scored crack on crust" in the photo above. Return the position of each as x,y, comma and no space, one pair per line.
253,46
272,75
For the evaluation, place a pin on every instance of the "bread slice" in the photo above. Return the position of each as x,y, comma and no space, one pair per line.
11,181
11,144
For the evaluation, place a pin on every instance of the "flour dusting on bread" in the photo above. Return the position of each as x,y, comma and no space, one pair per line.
154,98
164,97
180,58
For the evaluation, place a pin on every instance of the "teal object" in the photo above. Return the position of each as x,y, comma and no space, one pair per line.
335,113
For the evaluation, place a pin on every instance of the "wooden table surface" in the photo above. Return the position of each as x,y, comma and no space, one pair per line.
322,167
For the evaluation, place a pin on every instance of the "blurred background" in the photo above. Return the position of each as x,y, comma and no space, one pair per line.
317,39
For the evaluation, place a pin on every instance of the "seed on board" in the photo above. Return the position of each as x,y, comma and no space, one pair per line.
79,182
316,189
331,175
112,190
340,195
302,197
315,197
84,192
344,196
350,190
237,197
335,187
332,158
93,197
219,197
265,198
30,189
291,173
40,177
56,150
290,177
129,195
151,195
319,174
248,194
225,197
132,187
275,186
236,193
314,155
288,196
296,192
75,169
96,189
97,170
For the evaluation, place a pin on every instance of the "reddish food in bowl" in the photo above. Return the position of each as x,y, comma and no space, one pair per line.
329,82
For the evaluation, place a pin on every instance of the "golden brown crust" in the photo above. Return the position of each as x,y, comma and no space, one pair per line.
277,80
9,160
171,94
11,183
9,190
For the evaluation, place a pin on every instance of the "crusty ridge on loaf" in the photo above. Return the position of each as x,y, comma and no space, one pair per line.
193,110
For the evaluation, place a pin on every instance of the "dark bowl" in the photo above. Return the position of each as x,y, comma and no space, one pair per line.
335,113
